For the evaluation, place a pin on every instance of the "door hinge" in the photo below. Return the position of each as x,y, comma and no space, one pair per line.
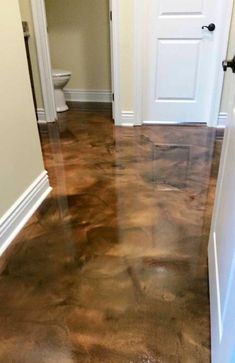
111,15
113,96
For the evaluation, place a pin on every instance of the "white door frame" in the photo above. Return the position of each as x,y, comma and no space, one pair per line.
222,45
114,7
221,308
44,59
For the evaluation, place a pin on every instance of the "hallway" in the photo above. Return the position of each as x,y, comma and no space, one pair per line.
113,267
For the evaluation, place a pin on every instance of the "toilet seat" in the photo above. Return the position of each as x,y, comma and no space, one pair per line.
60,73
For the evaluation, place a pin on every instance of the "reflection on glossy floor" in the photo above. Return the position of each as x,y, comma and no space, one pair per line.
113,267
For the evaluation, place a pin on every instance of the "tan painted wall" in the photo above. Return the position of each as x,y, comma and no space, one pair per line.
79,41
127,54
26,15
20,152
229,75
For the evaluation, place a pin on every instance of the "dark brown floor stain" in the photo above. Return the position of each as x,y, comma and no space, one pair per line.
113,266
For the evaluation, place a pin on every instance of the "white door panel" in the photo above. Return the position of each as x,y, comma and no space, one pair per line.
180,59
222,253
181,7
183,52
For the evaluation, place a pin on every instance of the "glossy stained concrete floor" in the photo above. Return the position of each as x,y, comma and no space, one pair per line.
113,266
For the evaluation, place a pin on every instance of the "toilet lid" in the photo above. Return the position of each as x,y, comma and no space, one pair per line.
60,73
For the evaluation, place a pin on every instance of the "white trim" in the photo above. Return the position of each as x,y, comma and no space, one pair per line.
115,59
226,9
161,123
216,287
17,216
222,119
41,115
222,44
81,95
44,59
173,123
127,119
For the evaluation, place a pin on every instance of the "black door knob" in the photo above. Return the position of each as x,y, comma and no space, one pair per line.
229,64
211,27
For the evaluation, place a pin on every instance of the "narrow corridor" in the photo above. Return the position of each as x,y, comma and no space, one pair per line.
113,266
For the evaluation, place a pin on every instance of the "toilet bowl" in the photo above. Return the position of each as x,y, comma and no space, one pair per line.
60,79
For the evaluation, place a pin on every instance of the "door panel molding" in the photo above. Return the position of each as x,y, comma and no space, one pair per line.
213,264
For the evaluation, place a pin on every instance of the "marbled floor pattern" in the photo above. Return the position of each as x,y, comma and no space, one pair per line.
113,266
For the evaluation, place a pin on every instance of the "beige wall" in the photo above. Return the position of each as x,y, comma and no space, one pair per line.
26,15
229,75
20,152
127,54
79,41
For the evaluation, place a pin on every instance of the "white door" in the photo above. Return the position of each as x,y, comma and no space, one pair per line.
222,252
182,60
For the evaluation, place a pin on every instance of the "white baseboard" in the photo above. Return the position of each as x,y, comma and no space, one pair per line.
18,215
222,120
41,115
160,123
106,96
81,95
127,118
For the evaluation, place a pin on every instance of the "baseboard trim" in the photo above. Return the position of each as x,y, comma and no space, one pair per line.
18,215
127,118
81,95
106,97
160,123
41,115
222,119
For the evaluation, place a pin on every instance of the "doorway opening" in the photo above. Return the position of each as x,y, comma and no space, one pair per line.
72,53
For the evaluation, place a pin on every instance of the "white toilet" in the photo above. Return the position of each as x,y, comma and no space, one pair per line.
60,79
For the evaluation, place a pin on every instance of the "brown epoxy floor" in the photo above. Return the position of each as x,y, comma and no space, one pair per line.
112,268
